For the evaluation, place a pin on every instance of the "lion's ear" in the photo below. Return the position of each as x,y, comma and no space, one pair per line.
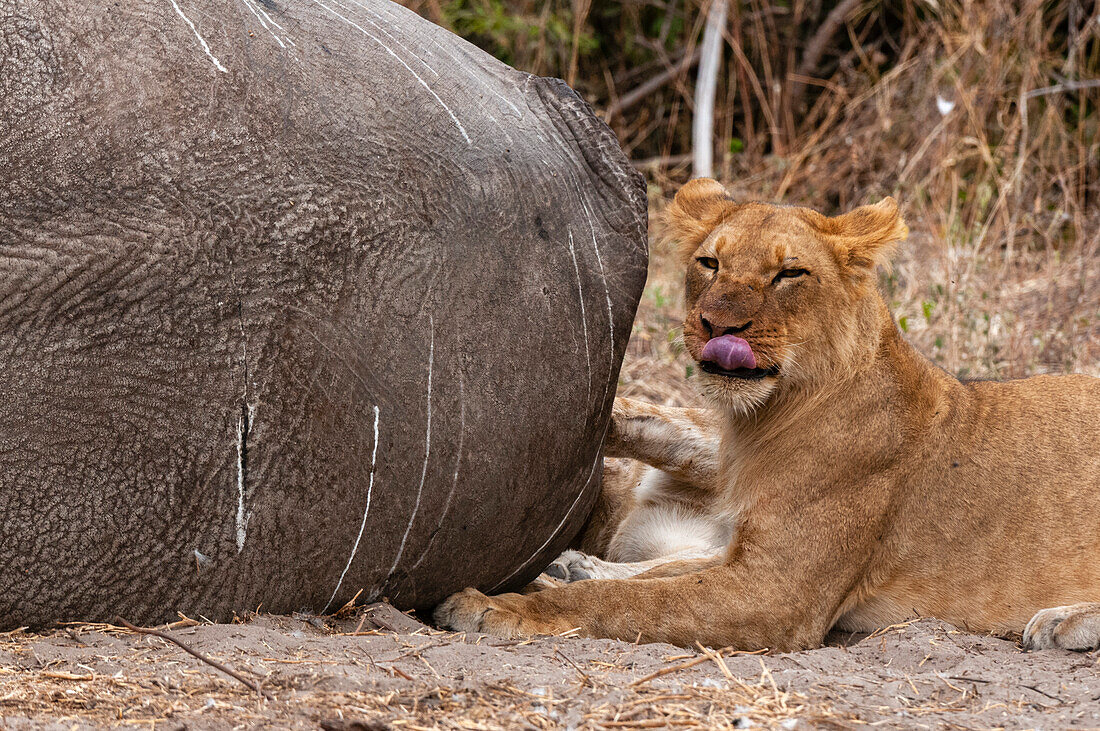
866,237
698,208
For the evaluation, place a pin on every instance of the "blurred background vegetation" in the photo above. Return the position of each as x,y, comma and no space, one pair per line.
980,116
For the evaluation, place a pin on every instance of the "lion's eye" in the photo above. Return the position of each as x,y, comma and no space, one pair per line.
790,274
708,262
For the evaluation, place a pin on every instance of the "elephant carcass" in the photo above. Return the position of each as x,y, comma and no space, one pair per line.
296,299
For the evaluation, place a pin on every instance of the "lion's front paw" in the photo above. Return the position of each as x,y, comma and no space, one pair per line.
502,616
572,566
1072,627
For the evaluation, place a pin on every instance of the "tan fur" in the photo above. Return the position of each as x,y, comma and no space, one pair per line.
868,485
658,502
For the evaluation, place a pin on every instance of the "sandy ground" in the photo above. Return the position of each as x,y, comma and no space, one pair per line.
358,673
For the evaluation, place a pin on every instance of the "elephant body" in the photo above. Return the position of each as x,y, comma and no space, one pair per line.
296,300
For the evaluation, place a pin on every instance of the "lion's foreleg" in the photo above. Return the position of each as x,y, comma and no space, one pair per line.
682,442
714,607
680,566
578,566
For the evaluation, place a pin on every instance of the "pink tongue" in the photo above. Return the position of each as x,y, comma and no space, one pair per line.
729,352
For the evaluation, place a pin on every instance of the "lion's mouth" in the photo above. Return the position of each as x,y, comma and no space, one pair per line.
746,374
731,356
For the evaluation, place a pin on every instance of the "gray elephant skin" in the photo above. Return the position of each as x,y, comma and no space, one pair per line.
297,299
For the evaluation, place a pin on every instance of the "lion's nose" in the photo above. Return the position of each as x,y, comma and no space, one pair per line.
714,332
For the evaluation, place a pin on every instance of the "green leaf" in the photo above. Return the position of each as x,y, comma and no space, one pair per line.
736,145
927,308
903,323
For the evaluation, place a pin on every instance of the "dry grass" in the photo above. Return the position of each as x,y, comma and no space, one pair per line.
981,116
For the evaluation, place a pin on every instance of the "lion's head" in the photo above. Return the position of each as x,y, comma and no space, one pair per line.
777,297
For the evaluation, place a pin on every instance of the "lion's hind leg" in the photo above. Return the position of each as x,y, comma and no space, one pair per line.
1072,627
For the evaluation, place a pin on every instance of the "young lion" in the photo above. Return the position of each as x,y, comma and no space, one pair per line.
867,485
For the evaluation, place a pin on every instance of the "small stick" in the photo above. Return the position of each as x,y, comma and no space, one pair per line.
692,663
399,671
717,657
1063,87
965,679
1043,692
195,653
576,667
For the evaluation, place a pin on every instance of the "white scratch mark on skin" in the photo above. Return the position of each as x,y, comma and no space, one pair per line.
244,427
205,47
275,23
458,464
248,4
271,20
607,294
554,534
477,77
408,68
370,489
427,448
584,317
391,36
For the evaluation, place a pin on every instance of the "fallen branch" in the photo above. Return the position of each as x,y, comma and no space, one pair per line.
195,653
643,90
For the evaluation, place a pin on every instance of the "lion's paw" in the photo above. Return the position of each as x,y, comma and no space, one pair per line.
1072,627
572,566
501,616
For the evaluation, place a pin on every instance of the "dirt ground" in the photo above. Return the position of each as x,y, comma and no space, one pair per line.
357,673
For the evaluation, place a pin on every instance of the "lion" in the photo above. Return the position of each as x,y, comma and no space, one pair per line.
862,485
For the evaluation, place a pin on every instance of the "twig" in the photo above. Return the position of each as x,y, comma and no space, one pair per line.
1063,87
717,657
811,57
661,161
1043,692
671,669
75,637
691,664
195,653
576,667
399,671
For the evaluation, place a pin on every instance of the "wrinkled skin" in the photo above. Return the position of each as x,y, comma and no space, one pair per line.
297,299
866,485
